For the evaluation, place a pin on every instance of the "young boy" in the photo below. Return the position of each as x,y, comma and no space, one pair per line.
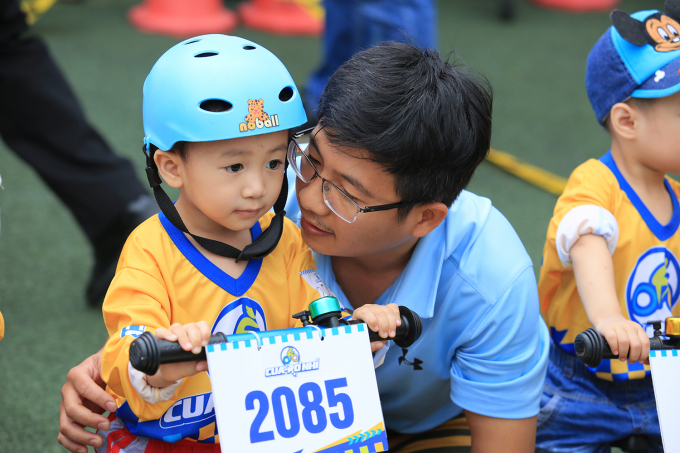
217,110
610,259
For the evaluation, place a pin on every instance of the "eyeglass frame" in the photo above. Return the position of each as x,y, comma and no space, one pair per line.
289,156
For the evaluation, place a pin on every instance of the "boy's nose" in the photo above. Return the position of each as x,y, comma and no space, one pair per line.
311,198
255,188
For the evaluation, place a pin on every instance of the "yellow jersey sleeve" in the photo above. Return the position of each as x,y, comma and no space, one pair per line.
137,297
2,327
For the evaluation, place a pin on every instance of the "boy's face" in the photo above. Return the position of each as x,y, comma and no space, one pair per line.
658,139
368,184
232,183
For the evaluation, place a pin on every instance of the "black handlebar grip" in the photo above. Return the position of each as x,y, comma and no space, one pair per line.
591,347
406,334
147,353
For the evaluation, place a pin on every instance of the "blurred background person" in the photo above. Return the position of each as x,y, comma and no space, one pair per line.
43,123
354,25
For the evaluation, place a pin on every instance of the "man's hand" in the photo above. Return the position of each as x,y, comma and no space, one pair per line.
491,435
383,319
83,402
192,337
626,338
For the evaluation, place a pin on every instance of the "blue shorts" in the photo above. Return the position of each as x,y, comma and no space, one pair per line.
581,413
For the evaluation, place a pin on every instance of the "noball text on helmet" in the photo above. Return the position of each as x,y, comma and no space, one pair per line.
257,117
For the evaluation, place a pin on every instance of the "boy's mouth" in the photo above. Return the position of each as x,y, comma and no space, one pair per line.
247,212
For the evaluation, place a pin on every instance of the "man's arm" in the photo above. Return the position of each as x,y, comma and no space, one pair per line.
491,435
83,402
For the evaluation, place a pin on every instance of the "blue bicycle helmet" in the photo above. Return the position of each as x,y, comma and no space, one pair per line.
240,79
217,87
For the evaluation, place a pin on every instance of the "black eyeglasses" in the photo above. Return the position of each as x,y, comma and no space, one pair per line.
334,197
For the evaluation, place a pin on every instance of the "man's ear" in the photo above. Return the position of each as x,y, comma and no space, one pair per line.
623,120
428,217
170,167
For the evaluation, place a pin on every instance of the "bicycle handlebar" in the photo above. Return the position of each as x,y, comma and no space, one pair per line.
147,353
591,347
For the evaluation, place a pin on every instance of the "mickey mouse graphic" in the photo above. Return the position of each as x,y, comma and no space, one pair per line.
660,30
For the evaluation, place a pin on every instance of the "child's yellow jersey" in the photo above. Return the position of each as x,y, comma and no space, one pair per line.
163,279
2,327
598,200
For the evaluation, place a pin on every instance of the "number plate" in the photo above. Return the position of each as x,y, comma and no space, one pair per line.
298,393
665,371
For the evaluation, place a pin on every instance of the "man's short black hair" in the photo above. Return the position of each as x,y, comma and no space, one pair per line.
423,119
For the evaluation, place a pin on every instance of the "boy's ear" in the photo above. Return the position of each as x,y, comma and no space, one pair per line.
170,167
623,119
428,217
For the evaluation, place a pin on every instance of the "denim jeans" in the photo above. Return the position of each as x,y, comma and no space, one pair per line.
581,413
354,25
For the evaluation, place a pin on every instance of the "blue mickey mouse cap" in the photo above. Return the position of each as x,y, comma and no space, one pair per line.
639,56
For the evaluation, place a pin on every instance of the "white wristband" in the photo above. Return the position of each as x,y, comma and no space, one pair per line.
152,395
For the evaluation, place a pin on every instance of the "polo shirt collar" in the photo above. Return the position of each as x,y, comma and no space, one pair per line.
416,287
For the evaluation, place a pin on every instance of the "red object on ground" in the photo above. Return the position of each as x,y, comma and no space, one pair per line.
579,5
280,17
182,18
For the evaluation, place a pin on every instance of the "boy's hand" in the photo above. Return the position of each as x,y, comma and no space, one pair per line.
383,319
626,338
192,337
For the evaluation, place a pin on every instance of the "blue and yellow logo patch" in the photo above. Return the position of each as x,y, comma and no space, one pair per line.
240,316
652,289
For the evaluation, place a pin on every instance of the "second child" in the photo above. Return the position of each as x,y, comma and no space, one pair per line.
611,255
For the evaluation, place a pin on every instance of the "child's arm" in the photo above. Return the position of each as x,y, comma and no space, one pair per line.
594,273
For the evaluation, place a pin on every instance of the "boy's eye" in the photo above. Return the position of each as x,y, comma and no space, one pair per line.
274,164
234,168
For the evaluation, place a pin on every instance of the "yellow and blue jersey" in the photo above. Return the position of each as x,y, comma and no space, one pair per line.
645,258
163,279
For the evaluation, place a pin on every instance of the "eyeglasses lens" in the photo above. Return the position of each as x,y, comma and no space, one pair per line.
300,163
334,198
345,208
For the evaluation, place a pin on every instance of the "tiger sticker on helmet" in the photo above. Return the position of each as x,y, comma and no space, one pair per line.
257,117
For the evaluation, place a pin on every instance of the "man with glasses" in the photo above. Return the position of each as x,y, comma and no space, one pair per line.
380,201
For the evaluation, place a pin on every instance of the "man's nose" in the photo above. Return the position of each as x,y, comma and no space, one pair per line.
310,197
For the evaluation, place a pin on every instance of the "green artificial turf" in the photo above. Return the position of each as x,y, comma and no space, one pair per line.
535,63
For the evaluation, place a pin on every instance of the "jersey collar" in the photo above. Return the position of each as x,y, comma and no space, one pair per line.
234,286
662,232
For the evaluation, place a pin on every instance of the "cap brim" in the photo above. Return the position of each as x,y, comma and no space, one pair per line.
664,82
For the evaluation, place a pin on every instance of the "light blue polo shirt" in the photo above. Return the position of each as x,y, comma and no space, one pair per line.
484,346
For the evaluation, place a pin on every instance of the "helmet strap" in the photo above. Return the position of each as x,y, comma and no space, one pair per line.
259,248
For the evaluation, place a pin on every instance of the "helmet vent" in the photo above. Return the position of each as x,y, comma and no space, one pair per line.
191,42
216,105
248,47
286,94
205,54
